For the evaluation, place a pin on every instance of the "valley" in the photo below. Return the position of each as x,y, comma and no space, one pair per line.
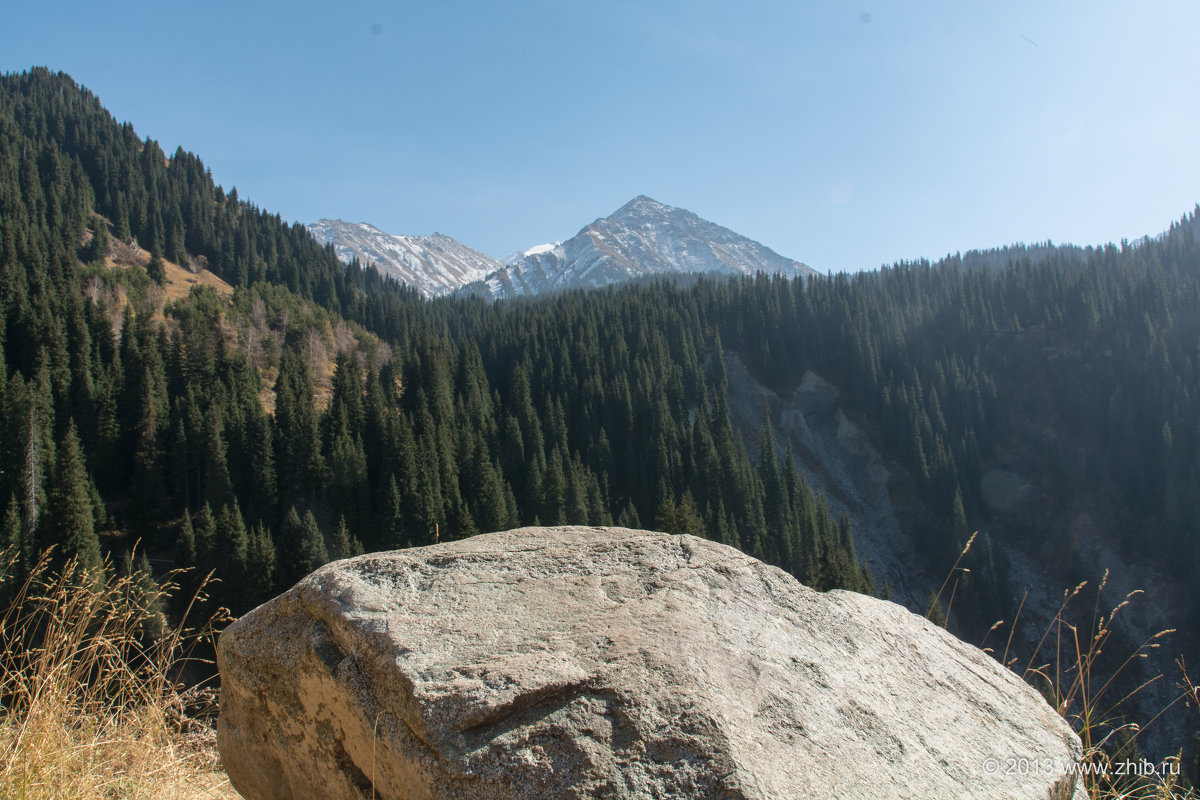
279,396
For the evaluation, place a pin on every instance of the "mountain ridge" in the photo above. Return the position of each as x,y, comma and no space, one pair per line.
434,265
641,239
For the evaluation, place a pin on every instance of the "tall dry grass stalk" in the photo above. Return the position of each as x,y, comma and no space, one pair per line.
90,704
1080,681
956,573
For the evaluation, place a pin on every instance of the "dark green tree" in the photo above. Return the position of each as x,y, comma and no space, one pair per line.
343,544
301,547
263,565
681,517
156,269
69,523
14,562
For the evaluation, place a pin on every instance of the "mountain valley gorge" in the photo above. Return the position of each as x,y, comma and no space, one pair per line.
186,370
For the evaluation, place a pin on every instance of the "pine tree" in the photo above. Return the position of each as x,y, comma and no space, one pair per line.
218,488
70,523
99,245
207,557
312,545
262,562
232,546
681,517
157,269
343,544
147,463
14,562
185,545
301,547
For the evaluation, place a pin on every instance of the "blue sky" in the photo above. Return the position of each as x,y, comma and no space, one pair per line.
842,134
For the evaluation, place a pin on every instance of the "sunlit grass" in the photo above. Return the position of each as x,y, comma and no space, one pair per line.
90,706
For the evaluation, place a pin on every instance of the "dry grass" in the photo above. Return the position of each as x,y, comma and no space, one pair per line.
1066,666
90,704
180,282
179,279
1083,694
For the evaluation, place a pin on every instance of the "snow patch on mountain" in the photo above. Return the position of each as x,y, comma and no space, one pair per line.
537,249
433,265
643,238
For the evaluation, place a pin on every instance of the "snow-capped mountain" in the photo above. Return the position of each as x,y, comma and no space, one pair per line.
642,238
519,256
433,265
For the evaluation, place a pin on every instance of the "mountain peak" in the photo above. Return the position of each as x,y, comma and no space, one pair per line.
639,206
643,238
643,200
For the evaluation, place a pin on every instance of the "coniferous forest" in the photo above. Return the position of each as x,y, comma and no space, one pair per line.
305,410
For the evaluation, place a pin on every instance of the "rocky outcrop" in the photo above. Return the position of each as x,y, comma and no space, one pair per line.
610,663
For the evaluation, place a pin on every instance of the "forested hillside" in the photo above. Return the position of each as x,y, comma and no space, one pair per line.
197,425
323,408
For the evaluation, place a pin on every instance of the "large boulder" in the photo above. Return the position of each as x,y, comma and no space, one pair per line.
611,663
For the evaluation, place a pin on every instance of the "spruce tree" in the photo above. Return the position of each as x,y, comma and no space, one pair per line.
185,544
69,516
207,557
186,559
394,537
262,562
157,269
142,591
344,545
147,463
218,489
312,545
301,547
98,247
13,558
628,518
681,517
232,546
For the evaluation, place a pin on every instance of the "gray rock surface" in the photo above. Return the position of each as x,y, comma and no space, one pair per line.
610,663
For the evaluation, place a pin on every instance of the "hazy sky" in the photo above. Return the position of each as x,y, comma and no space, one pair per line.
845,135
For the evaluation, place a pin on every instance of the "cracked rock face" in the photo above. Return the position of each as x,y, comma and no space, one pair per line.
610,663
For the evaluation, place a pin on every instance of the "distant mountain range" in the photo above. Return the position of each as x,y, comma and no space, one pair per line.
433,265
643,238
